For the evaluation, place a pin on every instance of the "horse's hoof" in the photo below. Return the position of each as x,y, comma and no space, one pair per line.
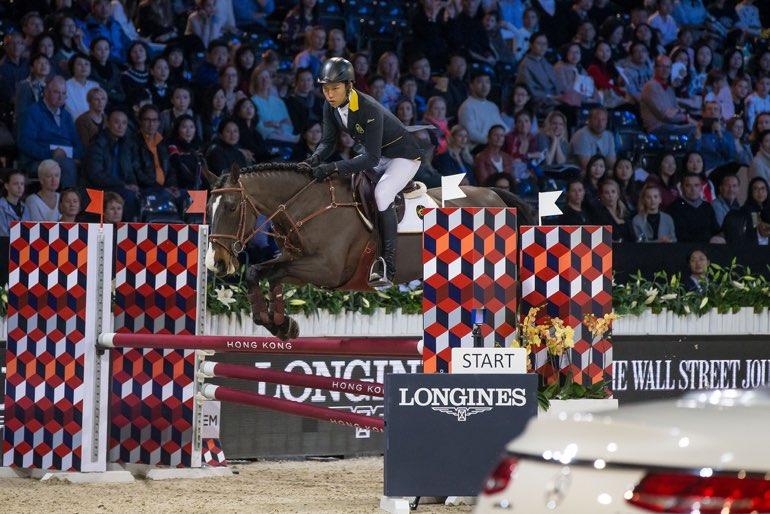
289,329
293,331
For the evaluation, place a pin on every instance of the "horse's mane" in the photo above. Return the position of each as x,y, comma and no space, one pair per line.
295,167
266,167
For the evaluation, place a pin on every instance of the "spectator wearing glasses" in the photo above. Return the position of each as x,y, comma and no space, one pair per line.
661,115
112,163
153,153
48,132
229,82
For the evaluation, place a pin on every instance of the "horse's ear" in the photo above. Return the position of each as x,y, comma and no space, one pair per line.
235,173
210,177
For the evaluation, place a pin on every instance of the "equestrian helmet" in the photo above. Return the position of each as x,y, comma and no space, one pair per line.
336,69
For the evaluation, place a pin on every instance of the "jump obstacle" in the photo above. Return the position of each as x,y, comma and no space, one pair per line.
139,402
357,346
158,275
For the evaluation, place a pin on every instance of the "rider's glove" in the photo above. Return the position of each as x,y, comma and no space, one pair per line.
323,171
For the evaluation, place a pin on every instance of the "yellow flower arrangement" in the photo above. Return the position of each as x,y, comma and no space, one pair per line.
599,326
551,332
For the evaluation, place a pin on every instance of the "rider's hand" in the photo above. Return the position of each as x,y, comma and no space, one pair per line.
323,171
312,161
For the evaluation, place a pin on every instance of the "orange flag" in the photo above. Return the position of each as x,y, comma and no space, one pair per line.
96,202
198,204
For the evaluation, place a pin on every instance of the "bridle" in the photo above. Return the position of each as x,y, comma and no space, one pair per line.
243,235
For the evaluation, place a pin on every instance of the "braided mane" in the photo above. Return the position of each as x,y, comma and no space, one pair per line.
295,167
267,167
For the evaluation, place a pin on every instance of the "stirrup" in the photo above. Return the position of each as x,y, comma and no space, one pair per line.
377,279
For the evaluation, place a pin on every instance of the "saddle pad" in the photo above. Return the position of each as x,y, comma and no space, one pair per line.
412,220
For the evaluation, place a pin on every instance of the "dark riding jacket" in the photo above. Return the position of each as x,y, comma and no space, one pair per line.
372,126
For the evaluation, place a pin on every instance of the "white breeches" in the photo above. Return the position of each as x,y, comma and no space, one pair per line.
398,172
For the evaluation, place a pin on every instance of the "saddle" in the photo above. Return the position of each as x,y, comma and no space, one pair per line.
362,185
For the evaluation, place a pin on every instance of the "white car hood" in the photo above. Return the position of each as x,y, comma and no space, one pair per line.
724,430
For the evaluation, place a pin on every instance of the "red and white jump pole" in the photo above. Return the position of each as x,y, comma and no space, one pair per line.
221,369
225,394
355,346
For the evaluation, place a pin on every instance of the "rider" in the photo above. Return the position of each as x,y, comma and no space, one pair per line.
388,148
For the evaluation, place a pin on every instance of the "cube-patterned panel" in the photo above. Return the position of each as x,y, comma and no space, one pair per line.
469,262
213,455
47,345
152,397
569,270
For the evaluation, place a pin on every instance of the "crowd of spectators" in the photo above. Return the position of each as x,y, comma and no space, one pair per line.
652,115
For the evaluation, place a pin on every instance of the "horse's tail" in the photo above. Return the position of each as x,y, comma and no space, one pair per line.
526,215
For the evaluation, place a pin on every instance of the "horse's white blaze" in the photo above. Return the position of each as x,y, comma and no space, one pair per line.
215,206
210,251
210,258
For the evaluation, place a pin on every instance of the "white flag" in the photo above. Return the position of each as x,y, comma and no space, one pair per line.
450,187
546,205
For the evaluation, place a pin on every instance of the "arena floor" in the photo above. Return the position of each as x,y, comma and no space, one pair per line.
345,486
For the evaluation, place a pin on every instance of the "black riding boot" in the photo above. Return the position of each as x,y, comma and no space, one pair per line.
384,268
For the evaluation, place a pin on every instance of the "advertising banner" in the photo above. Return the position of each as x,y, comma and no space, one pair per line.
250,432
445,432
654,367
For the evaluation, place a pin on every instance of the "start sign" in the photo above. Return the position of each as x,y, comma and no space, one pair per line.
489,360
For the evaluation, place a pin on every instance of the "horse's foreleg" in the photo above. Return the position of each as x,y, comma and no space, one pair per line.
259,306
270,314
277,305
286,326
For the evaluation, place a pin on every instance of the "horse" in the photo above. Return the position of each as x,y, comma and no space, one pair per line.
322,237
